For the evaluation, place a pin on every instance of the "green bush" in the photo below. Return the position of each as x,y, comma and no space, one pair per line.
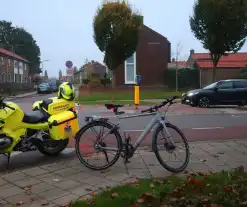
85,81
105,81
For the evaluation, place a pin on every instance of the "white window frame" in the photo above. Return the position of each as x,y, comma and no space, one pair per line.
125,71
9,62
2,60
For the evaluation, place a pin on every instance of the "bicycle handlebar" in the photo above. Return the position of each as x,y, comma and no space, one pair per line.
156,107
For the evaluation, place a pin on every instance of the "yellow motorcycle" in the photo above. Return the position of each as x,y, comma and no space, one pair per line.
47,128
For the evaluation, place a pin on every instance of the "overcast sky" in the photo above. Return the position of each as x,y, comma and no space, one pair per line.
63,28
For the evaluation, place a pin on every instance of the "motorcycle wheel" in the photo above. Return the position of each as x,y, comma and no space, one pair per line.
54,148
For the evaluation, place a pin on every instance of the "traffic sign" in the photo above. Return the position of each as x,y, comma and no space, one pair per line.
69,64
69,72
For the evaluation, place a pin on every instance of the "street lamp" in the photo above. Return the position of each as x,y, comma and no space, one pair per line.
42,67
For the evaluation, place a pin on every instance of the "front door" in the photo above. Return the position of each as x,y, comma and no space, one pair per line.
226,93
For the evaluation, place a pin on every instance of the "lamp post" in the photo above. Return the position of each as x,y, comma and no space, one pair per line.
42,67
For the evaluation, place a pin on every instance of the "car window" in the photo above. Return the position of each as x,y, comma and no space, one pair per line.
240,84
226,85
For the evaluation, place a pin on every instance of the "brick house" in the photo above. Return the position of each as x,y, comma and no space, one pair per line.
150,60
89,68
13,68
228,67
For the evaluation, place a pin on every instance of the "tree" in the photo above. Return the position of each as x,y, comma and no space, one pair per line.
36,79
21,42
60,74
221,26
116,28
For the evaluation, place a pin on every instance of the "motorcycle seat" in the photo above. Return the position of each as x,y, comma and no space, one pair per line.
34,117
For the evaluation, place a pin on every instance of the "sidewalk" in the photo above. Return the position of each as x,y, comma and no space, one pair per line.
21,95
58,183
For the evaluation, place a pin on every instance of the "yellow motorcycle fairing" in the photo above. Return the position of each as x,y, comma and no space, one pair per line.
53,105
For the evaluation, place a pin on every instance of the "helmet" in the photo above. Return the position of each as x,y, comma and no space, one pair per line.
66,91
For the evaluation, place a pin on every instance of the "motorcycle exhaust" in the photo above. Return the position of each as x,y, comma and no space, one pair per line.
5,142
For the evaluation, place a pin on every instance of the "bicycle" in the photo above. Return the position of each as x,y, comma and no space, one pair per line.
124,147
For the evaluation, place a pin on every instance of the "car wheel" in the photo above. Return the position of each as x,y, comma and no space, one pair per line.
203,102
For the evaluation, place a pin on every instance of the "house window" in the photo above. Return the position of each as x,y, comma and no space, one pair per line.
2,60
9,62
130,70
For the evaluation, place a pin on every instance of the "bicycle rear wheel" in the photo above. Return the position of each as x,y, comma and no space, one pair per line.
185,151
93,147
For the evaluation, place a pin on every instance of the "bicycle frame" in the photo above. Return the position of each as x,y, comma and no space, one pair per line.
157,119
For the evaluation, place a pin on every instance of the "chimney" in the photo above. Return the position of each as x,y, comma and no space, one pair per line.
173,60
192,51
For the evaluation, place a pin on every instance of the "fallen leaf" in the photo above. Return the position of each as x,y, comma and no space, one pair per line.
147,196
88,189
228,187
114,195
19,203
45,203
94,193
215,156
203,160
56,180
140,201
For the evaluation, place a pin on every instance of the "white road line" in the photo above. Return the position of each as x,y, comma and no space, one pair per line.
202,128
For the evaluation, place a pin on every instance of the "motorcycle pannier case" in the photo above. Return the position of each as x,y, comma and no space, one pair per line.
63,125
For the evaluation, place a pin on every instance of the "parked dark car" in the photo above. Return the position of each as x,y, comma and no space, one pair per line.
44,88
224,92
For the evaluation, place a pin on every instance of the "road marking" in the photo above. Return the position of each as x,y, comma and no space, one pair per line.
202,128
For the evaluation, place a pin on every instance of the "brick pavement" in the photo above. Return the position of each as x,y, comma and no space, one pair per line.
58,183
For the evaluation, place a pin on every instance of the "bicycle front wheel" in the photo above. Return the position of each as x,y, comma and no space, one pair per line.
94,142
160,147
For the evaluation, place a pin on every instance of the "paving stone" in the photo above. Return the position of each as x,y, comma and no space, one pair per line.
93,180
66,184
80,176
199,167
68,172
27,181
10,191
54,166
40,203
65,199
35,171
14,176
53,194
41,187
52,178
139,173
27,199
158,171
3,182
117,177
81,190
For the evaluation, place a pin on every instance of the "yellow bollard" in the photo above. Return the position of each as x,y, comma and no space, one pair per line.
137,96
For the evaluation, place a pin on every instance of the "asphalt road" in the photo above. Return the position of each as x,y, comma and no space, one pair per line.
195,126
